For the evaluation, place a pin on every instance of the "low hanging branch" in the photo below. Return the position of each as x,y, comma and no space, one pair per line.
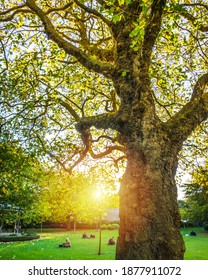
83,126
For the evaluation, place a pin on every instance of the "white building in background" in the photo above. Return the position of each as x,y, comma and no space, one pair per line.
111,215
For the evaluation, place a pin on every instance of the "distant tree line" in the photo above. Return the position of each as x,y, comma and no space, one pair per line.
194,208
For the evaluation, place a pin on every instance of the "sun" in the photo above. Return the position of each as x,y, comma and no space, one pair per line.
98,194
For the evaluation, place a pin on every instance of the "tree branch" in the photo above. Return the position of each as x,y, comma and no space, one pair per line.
85,60
152,29
12,9
103,121
103,3
16,11
103,137
193,20
68,107
195,4
108,151
62,8
192,114
68,169
94,12
5,57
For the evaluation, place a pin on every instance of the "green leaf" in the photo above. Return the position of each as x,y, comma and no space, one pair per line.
134,32
128,2
116,18
121,2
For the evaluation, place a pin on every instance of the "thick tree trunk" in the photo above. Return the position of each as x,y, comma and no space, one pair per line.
149,217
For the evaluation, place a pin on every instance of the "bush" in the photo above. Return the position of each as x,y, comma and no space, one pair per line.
18,237
205,225
104,227
109,226
113,226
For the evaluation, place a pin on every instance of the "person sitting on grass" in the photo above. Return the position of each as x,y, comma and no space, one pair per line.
84,235
92,236
192,233
111,241
66,244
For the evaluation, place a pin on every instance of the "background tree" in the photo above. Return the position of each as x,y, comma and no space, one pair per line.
20,177
72,198
183,209
131,77
196,197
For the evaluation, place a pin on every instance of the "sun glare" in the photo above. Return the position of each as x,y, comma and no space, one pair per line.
98,194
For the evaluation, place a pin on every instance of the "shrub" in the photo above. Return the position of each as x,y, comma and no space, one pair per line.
205,225
113,226
18,237
109,226
104,227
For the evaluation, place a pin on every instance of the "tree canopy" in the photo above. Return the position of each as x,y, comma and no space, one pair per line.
57,58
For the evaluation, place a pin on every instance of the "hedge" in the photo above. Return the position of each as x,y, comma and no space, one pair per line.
109,226
14,237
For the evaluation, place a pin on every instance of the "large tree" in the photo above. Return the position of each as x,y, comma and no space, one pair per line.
131,77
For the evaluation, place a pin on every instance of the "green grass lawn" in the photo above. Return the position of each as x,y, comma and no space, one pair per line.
196,246
46,248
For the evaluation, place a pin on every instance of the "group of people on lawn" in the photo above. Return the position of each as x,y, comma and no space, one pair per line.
110,241
84,235
67,243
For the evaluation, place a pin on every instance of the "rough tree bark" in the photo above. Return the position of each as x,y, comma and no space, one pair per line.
149,217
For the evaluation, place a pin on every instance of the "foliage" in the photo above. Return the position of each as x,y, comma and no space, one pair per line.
34,194
110,226
19,182
196,197
46,91
73,197
18,237
183,209
205,225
